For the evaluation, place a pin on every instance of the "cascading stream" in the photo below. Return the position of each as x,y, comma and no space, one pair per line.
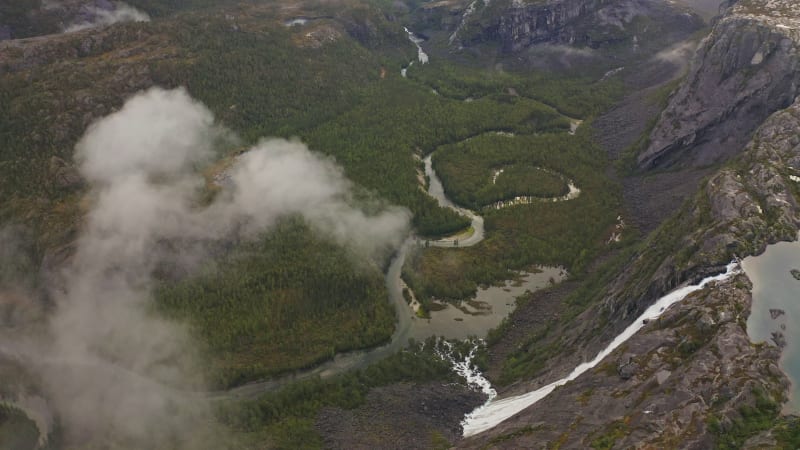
465,368
421,55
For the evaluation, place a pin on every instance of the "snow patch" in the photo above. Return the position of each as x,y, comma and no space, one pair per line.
495,412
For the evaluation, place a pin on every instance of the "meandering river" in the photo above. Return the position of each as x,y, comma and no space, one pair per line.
486,311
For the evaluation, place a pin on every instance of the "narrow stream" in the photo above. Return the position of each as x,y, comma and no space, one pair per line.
465,368
573,193
343,362
470,10
436,190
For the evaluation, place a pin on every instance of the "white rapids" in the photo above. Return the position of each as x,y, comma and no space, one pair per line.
493,412
465,368
421,55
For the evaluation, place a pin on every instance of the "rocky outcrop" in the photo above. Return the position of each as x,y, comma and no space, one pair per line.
64,175
753,204
125,41
513,24
738,212
745,70
444,14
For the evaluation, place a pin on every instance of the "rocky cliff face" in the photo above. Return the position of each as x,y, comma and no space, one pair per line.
739,211
515,24
625,25
524,25
754,203
744,71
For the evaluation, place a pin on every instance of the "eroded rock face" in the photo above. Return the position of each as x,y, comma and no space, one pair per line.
748,68
738,212
443,14
755,205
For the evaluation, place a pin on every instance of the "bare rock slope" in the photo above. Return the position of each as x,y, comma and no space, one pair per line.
745,70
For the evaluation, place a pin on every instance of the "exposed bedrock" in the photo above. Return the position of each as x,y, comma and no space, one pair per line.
627,26
744,71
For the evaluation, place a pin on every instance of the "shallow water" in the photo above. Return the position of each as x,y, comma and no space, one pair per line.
489,307
774,288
